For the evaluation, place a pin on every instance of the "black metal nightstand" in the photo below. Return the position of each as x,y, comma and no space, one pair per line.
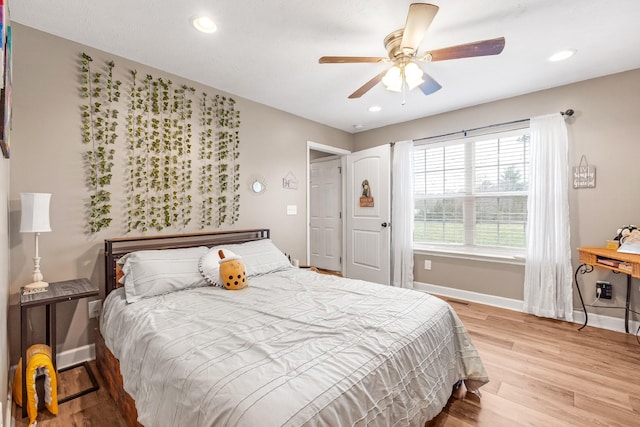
67,290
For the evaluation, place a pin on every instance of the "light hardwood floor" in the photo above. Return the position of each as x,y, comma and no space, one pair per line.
543,373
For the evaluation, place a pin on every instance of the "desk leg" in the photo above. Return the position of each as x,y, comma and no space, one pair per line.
626,307
48,325
582,269
51,331
23,353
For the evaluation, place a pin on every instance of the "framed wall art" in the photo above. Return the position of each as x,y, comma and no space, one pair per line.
6,80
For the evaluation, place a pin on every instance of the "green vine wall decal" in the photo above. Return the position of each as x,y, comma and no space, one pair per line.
158,175
182,200
205,186
99,130
220,150
137,148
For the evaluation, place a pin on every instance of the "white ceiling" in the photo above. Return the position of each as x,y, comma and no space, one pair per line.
268,50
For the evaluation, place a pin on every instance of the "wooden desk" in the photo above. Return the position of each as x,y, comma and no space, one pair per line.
618,262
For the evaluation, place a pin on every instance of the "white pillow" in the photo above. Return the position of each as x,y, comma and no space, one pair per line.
151,273
258,257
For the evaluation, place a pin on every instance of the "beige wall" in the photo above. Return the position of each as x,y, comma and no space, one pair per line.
4,278
605,129
46,157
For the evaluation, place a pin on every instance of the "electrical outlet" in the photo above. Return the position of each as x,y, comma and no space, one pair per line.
95,307
605,289
427,264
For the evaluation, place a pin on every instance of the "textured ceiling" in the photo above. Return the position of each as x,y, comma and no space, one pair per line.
268,51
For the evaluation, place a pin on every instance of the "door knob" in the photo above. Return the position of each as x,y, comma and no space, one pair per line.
385,224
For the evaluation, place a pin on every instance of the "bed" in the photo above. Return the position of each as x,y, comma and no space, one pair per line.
292,348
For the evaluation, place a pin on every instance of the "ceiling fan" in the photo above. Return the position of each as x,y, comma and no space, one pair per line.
402,48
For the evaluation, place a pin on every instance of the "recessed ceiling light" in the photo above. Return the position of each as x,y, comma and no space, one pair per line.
204,24
375,108
358,126
561,55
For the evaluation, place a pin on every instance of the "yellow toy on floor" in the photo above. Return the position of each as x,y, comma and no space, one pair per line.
38,361
232,273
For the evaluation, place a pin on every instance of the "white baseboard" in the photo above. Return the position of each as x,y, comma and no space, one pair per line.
595,320
75,355
492,300
9,419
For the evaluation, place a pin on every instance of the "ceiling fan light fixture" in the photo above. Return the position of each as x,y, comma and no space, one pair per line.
392,79
396,76
204,24
413,75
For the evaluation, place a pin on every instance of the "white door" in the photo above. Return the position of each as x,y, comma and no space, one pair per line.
325,214
368,232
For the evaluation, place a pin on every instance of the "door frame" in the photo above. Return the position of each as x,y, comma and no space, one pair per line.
331,150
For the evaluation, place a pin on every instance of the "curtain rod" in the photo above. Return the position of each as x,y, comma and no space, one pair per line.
567,113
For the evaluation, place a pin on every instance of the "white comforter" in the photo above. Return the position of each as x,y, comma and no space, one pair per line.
293,348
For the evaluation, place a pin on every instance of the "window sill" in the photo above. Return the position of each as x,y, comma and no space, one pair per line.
484,255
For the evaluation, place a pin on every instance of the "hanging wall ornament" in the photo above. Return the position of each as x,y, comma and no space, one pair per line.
584,175
366,200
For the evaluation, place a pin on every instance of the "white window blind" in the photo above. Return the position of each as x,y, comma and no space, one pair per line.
472,192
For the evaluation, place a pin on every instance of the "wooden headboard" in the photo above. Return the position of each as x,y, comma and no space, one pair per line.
114,249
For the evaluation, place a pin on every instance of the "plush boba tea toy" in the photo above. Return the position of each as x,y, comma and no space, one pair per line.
232,273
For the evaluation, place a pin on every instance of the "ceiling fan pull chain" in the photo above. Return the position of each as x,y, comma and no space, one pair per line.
404,88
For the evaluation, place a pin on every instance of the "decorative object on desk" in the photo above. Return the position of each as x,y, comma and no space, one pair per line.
624,232
290,182
630,243
613,244
584,175
35,219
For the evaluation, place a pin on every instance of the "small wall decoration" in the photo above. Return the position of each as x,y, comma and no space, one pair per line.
257,184
584,175
366,201
290,182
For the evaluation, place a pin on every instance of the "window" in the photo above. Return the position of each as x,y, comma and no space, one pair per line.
471,194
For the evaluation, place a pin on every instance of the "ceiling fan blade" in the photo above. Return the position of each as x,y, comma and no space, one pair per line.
479,48
430,85
350,59
367,86
418,22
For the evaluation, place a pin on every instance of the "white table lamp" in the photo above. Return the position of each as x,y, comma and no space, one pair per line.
35,219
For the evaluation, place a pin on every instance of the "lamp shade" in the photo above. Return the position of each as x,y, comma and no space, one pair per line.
35,212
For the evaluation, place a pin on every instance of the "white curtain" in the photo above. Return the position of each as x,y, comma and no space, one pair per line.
548,273
402,215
